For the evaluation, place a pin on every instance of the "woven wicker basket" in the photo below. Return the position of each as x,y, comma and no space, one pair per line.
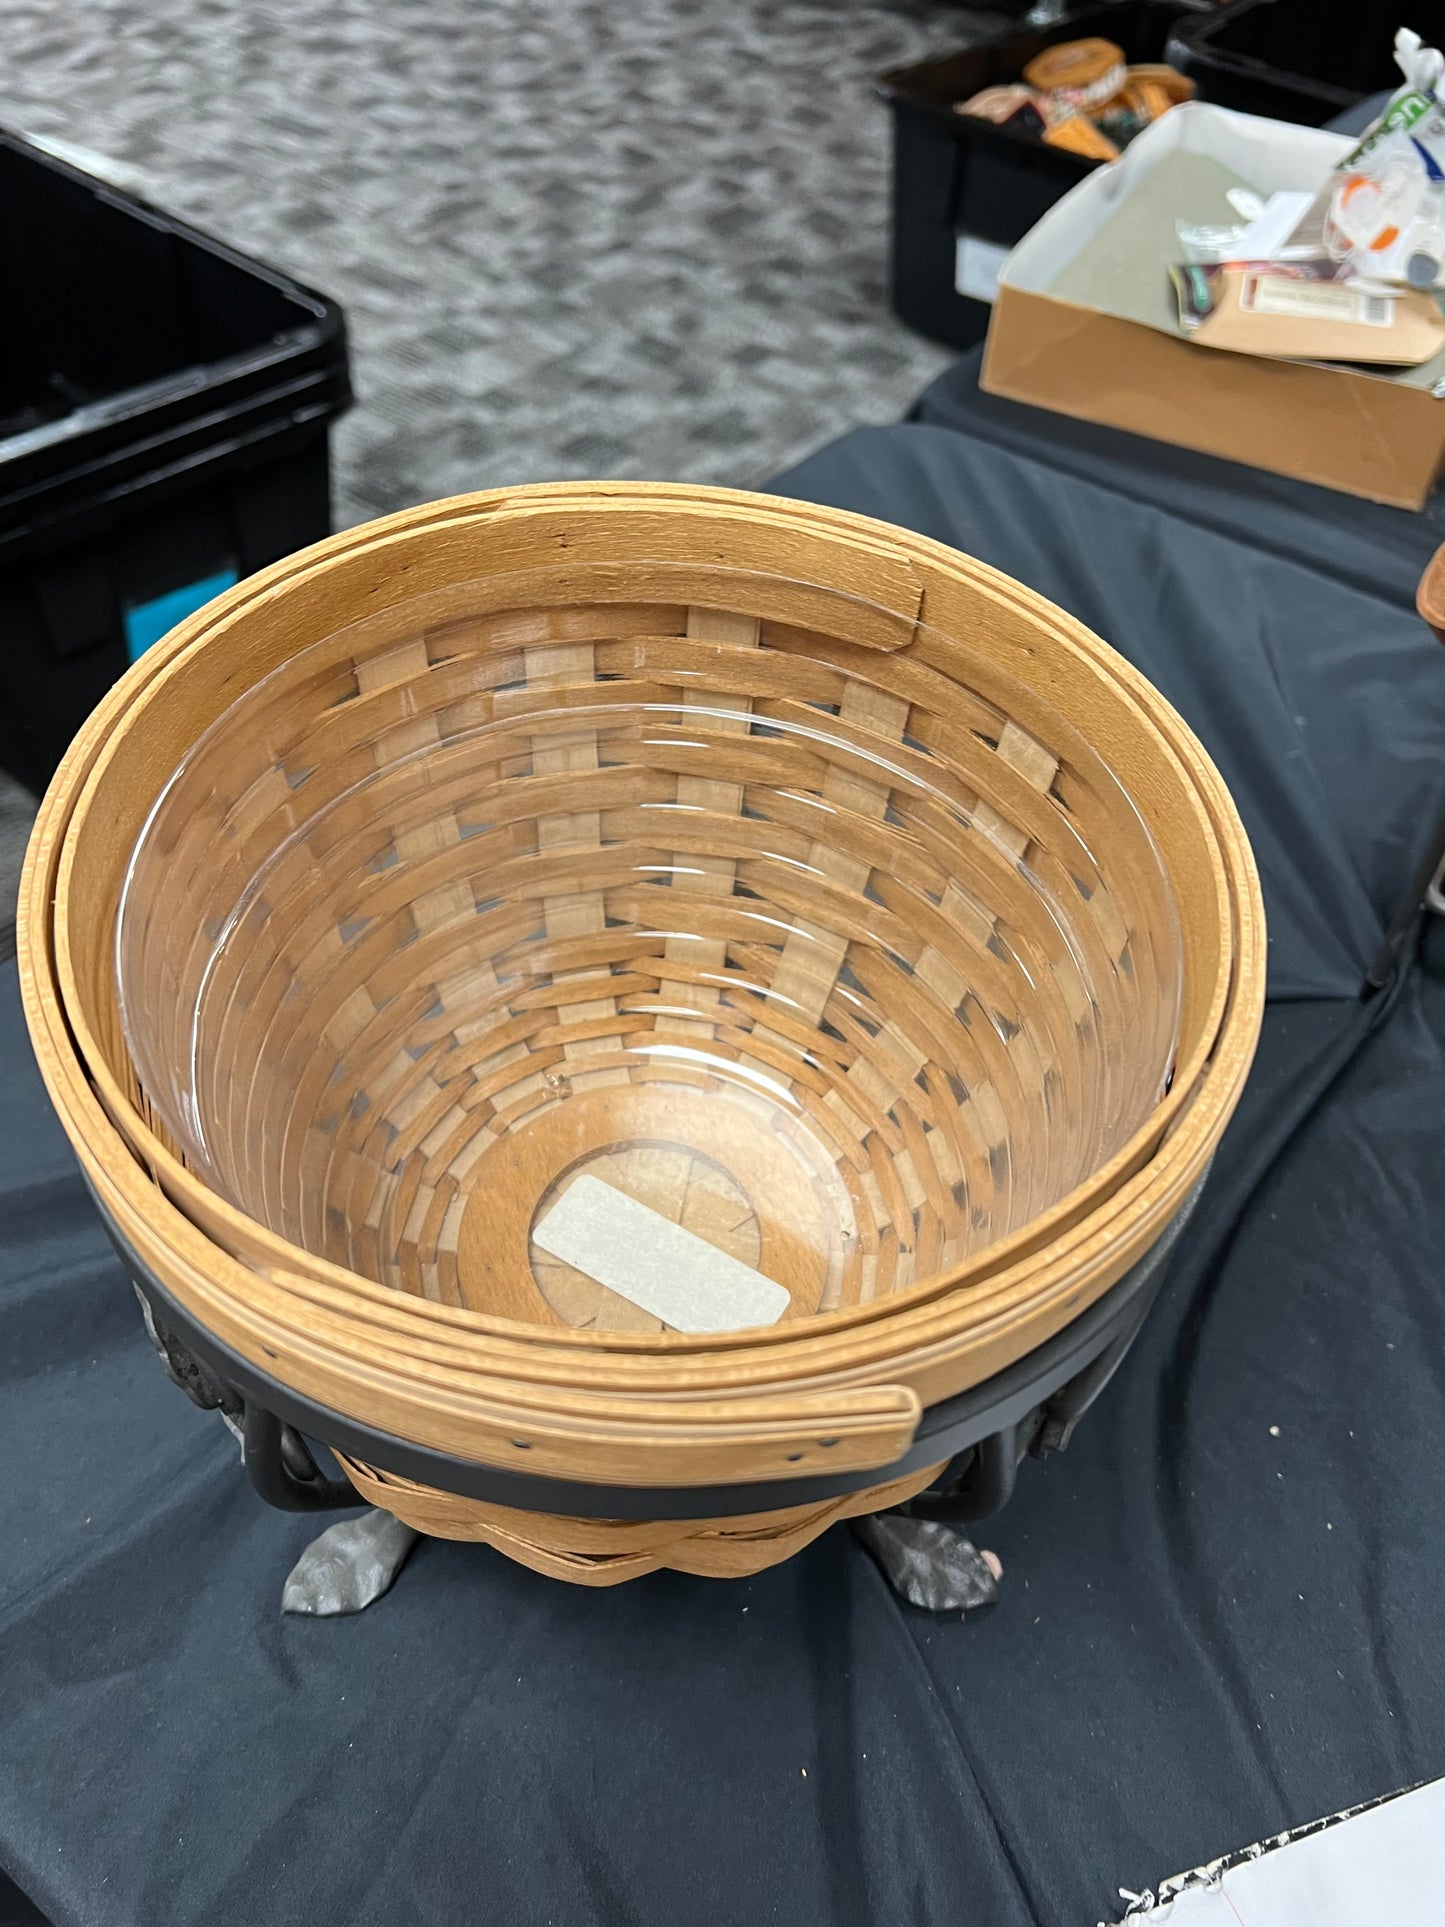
768,863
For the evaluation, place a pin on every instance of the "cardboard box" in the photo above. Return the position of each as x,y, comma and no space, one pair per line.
1086,322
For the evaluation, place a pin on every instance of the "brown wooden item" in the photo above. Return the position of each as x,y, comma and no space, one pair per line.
1430,596
801,794
605,1552
895,1029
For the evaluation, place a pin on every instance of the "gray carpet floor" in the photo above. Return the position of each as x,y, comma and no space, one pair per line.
572,237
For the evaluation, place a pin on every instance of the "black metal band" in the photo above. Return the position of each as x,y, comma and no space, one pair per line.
946,1429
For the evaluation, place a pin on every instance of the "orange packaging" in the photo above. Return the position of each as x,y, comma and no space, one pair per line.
1086,74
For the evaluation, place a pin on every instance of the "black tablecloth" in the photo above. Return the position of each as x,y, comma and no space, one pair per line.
1221,1606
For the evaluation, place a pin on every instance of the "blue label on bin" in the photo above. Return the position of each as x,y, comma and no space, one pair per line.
149,621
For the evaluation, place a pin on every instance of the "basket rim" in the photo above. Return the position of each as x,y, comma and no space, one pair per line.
448,1406
1203,1099
110,722
948,1426
437,1405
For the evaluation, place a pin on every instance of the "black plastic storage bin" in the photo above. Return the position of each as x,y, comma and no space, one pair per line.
1300,60
957,178
164,405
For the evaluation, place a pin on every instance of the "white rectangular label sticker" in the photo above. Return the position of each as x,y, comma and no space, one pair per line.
976,267
652,1262
1314,301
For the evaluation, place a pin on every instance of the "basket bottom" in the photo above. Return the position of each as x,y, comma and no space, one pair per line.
748,1176
605,1552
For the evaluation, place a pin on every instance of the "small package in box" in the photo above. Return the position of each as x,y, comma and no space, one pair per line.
1087,321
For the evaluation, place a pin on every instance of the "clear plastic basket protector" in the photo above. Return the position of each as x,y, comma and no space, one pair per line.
846,959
